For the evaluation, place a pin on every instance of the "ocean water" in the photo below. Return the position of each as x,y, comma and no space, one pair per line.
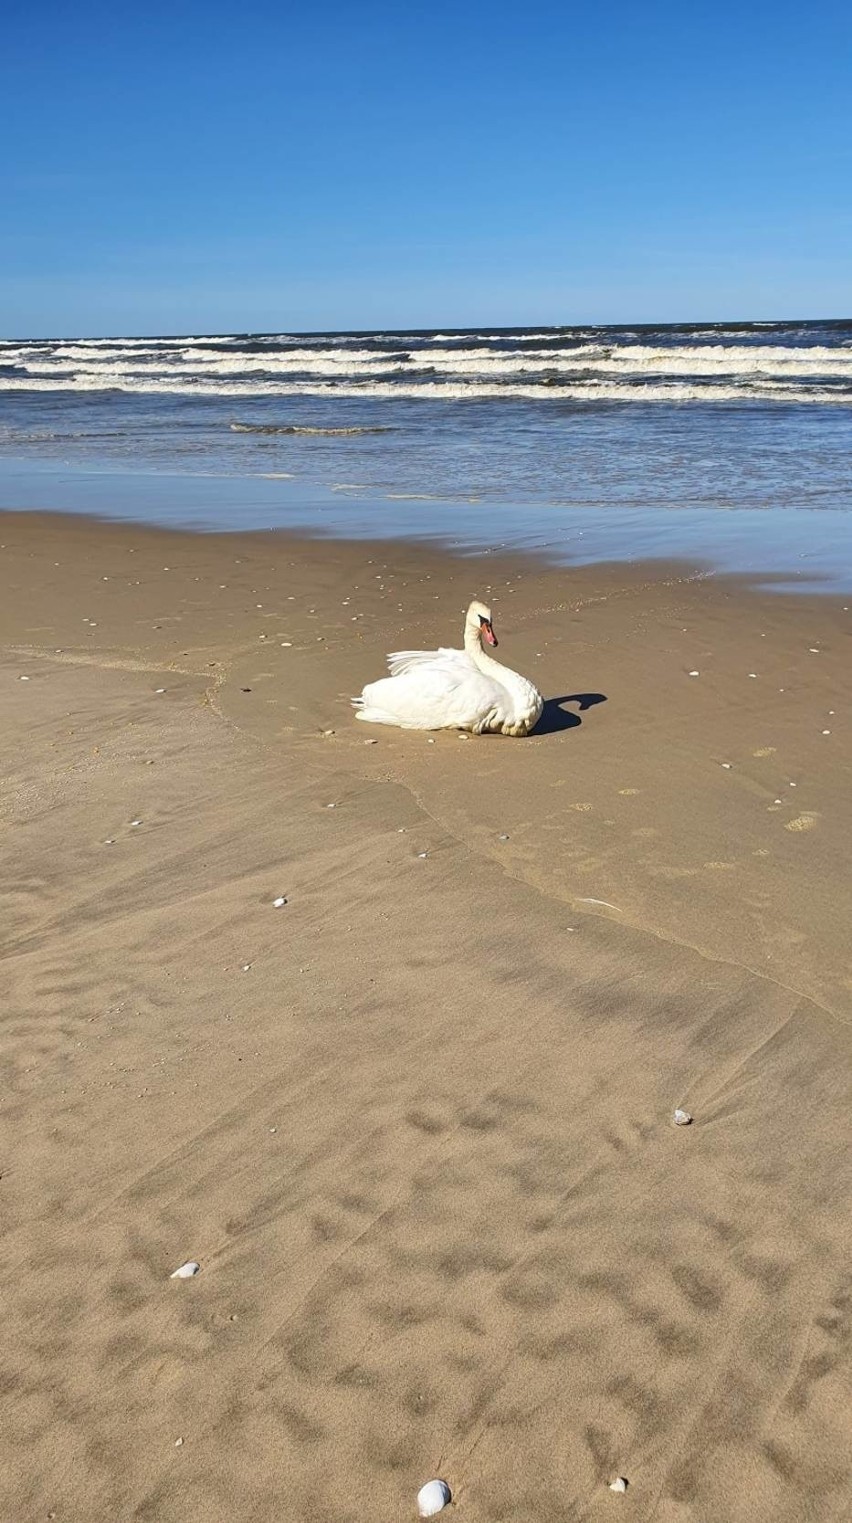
729,444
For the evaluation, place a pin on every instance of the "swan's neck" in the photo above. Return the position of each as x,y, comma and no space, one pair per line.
474,647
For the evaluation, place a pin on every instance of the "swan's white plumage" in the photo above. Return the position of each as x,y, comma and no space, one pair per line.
452,689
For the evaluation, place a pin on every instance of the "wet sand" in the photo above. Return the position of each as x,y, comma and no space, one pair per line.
415,1123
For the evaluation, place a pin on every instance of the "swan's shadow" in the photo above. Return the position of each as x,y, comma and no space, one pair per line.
554,718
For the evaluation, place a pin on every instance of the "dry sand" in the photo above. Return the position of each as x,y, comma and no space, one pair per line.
415,1124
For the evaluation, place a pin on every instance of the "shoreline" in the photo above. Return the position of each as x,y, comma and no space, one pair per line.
797,549
415,1123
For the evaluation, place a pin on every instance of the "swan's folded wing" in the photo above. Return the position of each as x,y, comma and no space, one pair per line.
430,696
450,662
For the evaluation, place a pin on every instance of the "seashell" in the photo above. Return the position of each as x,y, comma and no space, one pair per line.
277,903
682,1118
433,1498
422,855
371,742
186,1270
504,838
159,690
619,1484
23,679
695,674
136,822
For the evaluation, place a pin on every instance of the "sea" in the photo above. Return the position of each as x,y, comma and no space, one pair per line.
723,445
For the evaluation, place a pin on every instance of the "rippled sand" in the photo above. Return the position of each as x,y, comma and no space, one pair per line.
415,1124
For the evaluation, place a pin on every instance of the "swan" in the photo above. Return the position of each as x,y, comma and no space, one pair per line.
453,689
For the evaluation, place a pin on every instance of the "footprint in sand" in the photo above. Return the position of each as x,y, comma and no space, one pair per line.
581,808
804,821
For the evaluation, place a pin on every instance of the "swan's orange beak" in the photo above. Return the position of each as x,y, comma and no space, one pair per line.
488,632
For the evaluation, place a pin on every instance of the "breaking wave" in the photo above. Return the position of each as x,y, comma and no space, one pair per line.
792,363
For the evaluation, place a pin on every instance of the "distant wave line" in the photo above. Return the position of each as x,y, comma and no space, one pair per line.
590,390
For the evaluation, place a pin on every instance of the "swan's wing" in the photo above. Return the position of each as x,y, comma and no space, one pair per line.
431,696
443,659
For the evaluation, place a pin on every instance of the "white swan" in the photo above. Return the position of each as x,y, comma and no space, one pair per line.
453,689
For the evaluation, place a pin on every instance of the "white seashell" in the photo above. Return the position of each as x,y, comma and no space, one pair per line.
695,674
371,742
136,822
619,1484
826,732
433,1498
23,679
277,903
727,766
186,1270
504,838
422,855
178,1443
159,690
682,1118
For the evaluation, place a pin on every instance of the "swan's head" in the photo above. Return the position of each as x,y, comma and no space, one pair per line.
479,618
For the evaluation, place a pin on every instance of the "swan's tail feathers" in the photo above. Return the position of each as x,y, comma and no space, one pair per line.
371,715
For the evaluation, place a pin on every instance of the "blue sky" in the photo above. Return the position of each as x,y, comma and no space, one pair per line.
218,168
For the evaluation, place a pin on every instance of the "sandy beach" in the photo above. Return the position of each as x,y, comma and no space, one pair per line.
415,1123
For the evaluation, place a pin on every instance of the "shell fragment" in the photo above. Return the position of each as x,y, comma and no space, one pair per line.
433,1498
682,1118
186,1270
619,1484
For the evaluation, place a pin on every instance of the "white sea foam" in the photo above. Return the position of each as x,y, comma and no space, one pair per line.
580,364
591,390
193,362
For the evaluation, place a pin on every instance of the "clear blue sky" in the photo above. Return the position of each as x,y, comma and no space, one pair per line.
222,167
